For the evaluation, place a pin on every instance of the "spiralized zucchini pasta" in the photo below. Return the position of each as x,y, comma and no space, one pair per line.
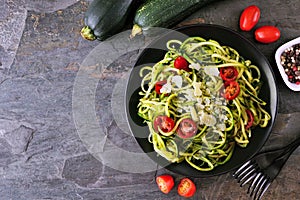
200,101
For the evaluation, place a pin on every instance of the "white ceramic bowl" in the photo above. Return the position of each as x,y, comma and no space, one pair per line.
278,53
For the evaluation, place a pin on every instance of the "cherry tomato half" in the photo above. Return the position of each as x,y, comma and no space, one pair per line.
165,123
181,63
187,128
250,119
249,17
186,187
229,73
165,183
232,90
158,86
267,34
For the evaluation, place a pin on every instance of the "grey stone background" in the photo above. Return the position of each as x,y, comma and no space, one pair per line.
41,154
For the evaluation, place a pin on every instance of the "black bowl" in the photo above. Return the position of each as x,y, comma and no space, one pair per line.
225,36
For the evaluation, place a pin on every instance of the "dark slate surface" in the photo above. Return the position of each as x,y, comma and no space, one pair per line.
42,156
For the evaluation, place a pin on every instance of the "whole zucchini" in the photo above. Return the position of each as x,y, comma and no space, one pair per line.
164,13
105,17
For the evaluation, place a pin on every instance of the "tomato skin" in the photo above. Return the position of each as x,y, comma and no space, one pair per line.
165,123
229,73
187,128
249,17
158,86
267,34
181,63
232,90
250,119
165,183
186,188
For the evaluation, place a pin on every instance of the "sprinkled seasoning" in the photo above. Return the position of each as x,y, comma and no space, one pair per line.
290,60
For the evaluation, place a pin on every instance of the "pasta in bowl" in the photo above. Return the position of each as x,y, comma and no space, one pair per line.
201,103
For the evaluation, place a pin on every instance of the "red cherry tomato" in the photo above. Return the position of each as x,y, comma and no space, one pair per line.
165,123
232,90
249,17
250,119
165,183
181,63
229,73
267,34
187,128
186,187
158,86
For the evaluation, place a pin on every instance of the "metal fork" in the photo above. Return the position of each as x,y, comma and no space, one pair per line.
264,168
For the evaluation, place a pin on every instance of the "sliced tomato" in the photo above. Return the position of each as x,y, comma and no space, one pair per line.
165,183
186,187
165,123
250,119
187,128
232,90
181,63
229,73
158,86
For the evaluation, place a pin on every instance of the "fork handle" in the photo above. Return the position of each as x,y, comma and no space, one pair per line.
292,145
281,160
272,154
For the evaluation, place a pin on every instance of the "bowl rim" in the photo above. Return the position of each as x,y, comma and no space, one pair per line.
278,53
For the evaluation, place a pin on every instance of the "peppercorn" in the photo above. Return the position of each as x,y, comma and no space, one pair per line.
290,60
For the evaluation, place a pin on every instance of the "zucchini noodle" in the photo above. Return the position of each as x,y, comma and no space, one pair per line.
197,94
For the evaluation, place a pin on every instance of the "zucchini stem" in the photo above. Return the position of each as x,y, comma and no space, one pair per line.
87,33
136,30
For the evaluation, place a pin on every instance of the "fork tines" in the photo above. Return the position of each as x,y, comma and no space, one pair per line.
250,171
259,185
246,172
262,175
